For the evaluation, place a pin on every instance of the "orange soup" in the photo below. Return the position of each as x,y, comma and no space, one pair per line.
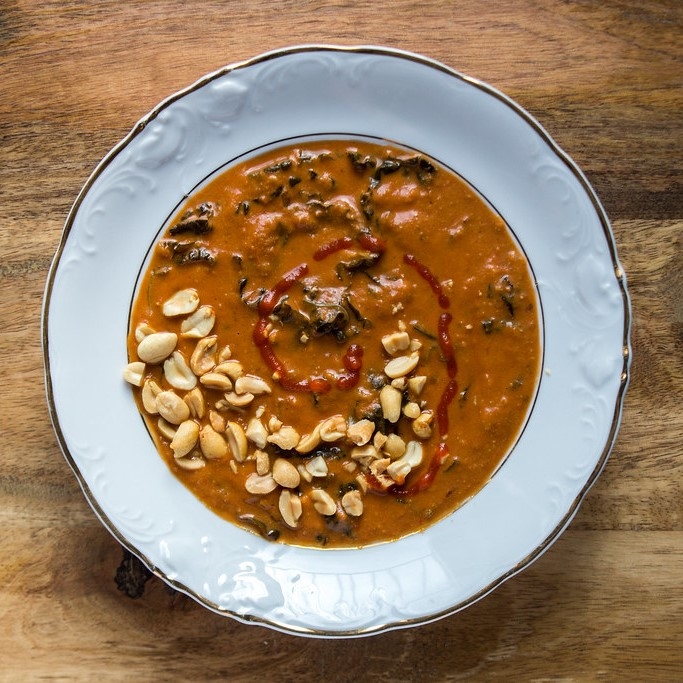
335,343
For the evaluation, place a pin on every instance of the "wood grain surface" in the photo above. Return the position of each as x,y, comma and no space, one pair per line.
605,79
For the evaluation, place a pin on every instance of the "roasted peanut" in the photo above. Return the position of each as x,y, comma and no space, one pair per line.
401,365
232,368
185,438
395,342
217,421
251,384
399,469
178,373
352,502
171,407
262,462
416,384
377,469
181,303
422,424
323,502
141,331
286,438
411,410
333,428
305,474
361,432
379,466
224,354
196,403
394,446
191,462
290,508
134,373
211,443
238,400
274,424
257,433
203,357
364,453
166,429
317,467
216,380
309,441
199,324
390,400
399,383
157,347
237,440
286,474
379,440
260,484
149,393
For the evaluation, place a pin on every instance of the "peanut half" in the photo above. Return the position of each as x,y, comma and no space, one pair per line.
156,347
181,303
290,508
199,324
171,407
134,373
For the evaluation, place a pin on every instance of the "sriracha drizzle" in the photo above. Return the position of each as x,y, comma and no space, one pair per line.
352,360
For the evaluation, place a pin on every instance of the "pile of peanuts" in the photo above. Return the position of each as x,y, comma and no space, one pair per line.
200,428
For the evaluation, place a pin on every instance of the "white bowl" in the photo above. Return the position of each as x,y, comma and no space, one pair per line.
331,92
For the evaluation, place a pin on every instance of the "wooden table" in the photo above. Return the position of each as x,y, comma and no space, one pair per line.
605,78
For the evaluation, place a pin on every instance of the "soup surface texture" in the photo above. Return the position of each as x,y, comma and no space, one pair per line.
335,343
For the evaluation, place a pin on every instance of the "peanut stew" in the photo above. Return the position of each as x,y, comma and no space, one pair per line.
335,343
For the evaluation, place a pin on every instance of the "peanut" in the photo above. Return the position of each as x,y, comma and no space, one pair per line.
260,484
286,474
323,502
199,324
191,462
237,440
216,380
181,303
251,384
257,433
149,393
235,400
422,424
290,508
390,401
134,373
361,432
171,407
178,373
195,402
309,441
185,438
333,428
203,357
401,365
286,438
395,342
352,502
157,346
212,444
317,467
